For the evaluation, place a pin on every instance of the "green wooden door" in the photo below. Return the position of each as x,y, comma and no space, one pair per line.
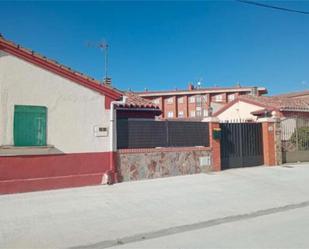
29,125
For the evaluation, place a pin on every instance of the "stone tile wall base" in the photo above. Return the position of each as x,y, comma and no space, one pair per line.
137,166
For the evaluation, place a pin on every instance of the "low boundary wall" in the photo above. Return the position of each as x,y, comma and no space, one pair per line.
137,164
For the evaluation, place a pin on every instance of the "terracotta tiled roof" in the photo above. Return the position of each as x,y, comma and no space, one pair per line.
295,94
135,101
279,103
57,68
271,103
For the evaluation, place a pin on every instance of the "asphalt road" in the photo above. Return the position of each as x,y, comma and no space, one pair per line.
279,229
260,207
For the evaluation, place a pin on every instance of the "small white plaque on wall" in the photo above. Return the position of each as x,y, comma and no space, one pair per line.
100,131
205,161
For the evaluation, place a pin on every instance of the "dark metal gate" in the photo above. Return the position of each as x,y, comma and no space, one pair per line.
241,145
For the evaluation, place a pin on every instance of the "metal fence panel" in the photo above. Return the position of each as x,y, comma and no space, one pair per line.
187,134
139,133
295,139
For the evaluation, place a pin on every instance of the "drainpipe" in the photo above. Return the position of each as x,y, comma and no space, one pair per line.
113,137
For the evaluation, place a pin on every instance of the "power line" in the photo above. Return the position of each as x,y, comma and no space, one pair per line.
272,7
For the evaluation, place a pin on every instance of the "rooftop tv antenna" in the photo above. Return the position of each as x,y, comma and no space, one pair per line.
199,83
103,46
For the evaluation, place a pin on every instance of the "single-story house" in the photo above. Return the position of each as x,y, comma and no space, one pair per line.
56,125
251,108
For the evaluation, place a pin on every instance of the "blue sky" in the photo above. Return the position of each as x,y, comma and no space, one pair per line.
165,45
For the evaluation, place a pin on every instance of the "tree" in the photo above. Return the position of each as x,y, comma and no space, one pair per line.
301,136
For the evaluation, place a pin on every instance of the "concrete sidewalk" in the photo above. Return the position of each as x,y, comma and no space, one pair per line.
105,216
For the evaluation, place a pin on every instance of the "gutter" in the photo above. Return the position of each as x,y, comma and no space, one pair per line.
294,109
113,139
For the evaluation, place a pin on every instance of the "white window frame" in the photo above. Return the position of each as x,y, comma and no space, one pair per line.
170,114
180,114
180,100
192,114
231,97
156,101
170,100
192,99
205,113
219,98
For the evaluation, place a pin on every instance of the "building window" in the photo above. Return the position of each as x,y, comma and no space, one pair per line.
170,100
198,113
156,101
205,113
180,114
180,100
231,97
170,114
198,99
29,125
192,114
192,99
218,98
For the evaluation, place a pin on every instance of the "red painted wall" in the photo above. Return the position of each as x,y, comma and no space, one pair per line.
269,143
42,172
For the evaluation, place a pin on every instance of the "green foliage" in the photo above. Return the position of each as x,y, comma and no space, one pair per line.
303,138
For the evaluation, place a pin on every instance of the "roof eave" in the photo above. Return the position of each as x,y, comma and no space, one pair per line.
294,110
59,69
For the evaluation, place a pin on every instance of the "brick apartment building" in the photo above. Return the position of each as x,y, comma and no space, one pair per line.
196,103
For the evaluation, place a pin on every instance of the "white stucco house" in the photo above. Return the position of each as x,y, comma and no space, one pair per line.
55,124
251,108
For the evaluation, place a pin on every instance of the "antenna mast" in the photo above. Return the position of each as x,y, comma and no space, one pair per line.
103,45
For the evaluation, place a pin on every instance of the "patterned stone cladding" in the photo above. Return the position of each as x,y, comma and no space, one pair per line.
278,143
137,164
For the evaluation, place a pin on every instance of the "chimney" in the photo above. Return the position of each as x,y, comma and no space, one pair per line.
254,91
190,87
107,81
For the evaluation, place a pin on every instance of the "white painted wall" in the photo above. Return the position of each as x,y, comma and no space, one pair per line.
72,110
240,110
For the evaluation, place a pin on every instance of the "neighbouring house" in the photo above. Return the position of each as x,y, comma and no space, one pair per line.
196,103
56,127
251,108
295,94
290,112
